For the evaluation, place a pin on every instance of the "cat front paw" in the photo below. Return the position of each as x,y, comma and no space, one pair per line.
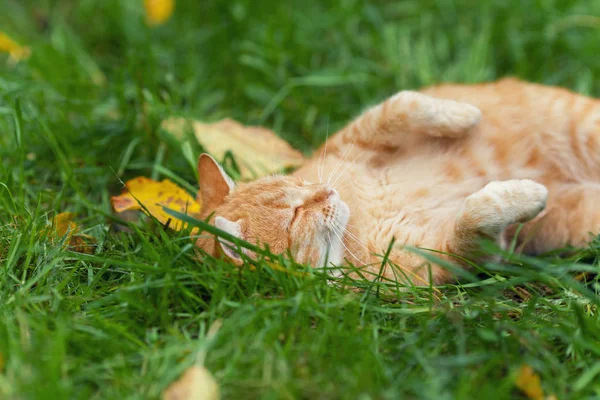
421,113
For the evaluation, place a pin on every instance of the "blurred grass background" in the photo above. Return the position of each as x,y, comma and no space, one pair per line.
82,113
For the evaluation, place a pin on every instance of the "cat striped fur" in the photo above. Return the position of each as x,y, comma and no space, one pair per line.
439,169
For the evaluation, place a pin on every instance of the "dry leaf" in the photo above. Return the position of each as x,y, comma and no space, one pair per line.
63,225
16,51
158,11
196,383
153,196
258,151
529,383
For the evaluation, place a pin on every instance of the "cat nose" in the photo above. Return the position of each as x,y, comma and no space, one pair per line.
325,193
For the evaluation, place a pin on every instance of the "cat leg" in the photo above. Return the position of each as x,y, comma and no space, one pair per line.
485,214
572,218
410,115
488,212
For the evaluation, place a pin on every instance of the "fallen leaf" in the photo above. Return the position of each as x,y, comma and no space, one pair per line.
529,383
15,51
146,193
584,276
196,383
158,11
63,224
64,228
258,151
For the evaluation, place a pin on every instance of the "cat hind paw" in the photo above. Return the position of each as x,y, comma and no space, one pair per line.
503,203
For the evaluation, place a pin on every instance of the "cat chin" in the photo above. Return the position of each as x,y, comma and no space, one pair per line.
333,251
333,256
343,214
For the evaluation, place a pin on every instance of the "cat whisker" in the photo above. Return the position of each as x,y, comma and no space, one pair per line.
346,247
320,171
323,157
406,271
346,169
337,177
343,187
345,231
340,189
342,172
333,176
341,161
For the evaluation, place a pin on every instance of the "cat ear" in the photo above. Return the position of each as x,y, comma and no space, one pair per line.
234,229
215,184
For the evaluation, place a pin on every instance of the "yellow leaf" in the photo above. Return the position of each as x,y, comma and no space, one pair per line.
153,196
63,225
158,11
16,51
258,151
196,383
529,383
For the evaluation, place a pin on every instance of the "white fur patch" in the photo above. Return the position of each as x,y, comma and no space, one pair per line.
233,228
334,249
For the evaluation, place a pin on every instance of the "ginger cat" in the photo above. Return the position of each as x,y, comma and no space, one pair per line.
438,169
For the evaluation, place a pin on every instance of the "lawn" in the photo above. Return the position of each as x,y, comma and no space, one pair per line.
81,115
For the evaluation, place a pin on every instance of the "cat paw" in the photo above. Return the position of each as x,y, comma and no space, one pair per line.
456,117
503,203
435,117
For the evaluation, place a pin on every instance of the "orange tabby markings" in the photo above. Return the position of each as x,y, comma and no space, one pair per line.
427,170
453,171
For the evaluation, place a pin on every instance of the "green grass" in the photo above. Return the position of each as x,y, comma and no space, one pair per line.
82,115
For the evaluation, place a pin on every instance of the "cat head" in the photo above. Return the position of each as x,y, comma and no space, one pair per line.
283,212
